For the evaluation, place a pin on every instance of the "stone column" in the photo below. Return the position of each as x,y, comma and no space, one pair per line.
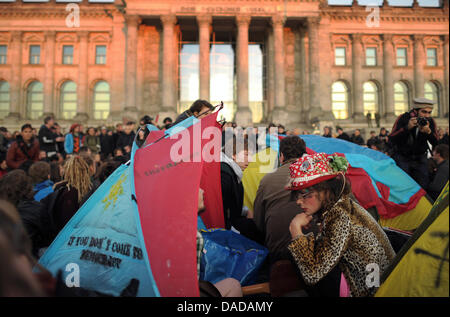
280,114
204,26
131,73
303,81
117,66
419,63
357,60
243,116
388,60
82,85
446,106
169,106
315,111
16,111
49,77
270,82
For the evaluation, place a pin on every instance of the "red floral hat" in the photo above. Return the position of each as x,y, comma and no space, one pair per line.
316,168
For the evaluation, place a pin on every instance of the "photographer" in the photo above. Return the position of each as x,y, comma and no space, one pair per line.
409,138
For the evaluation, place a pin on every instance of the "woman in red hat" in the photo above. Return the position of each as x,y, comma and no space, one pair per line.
349,237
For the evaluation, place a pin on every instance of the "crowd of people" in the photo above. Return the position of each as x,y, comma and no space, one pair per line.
46,176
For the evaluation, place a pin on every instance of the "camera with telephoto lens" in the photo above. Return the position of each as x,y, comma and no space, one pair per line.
422,121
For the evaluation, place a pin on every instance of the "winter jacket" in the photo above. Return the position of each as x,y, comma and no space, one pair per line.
30,212
409,143
72,143
351,239
92,142
125,139
47,140
106,144
43,189
19,152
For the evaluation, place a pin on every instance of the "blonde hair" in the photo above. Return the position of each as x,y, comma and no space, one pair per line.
76,173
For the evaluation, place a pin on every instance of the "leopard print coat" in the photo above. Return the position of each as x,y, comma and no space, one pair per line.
350,238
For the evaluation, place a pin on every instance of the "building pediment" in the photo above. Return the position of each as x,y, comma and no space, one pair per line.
33,37
100,38
69,38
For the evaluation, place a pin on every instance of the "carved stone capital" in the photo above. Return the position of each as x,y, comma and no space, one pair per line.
133,20
387,38
313,22
204,20
356,38
16,36
50,35
243,20
82,36
168,20
277,20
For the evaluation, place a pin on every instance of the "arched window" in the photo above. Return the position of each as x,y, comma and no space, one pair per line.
101,100
4,99
401,98
68,99
339,100
432,93
35,100
370,98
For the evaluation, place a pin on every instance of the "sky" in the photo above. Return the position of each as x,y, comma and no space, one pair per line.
425,3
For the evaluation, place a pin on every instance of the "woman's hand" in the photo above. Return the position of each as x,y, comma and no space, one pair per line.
301,221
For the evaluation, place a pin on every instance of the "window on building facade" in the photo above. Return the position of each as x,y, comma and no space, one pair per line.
35,54
401,98
100,54
68,100
402,59
339,56
4,99
370,98
189,75
67,57
339,100
371,56
3,54
431,57
101,100
222,71
35,100
432,93
256,80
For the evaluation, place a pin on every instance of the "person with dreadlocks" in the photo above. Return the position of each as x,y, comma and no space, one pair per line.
71,191
348,237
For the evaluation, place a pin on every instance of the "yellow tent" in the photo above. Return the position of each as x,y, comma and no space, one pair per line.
263,162
421,268
410,220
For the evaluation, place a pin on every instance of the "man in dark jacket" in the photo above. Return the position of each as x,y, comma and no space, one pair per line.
106,143
125,141
409,138
48,138
357,138
273,207
342,135
440,177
